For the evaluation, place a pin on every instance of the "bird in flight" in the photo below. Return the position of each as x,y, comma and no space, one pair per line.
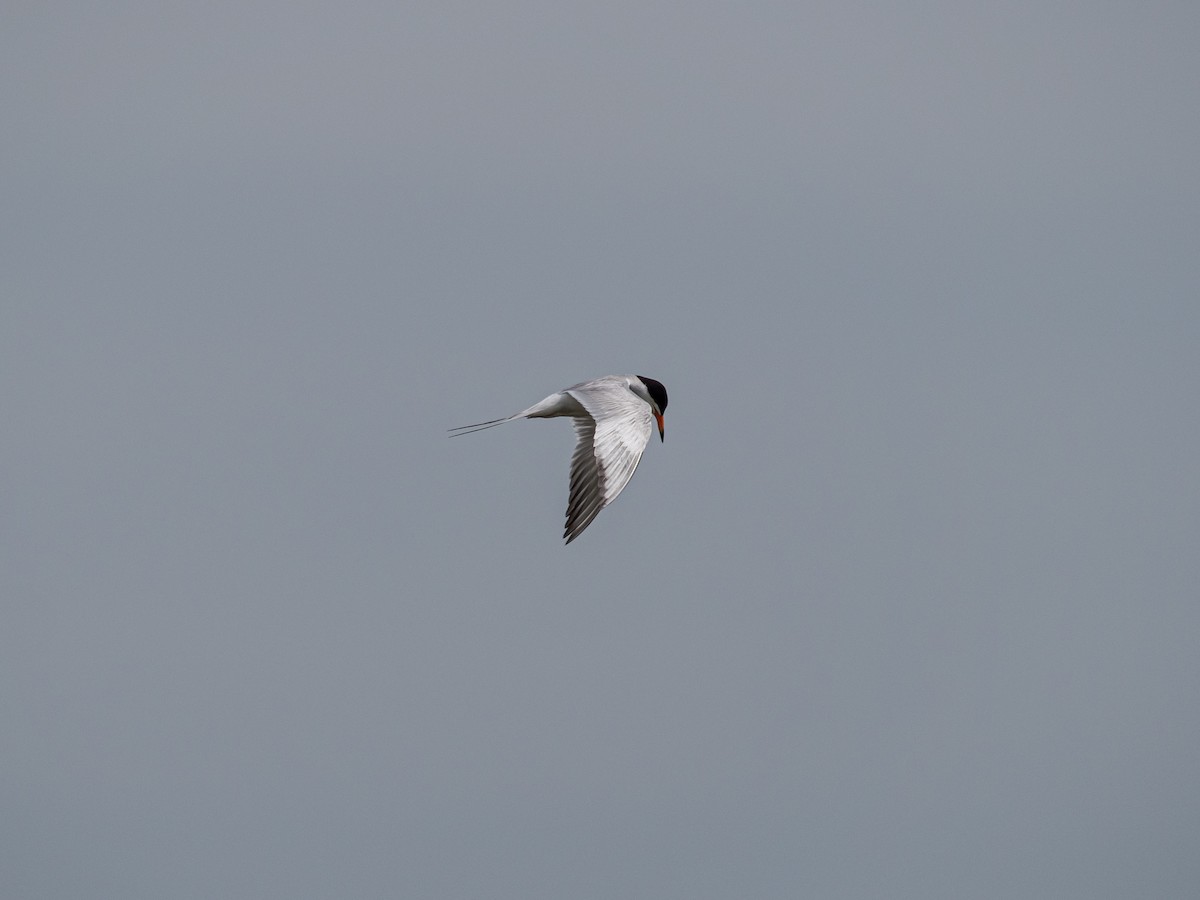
613,418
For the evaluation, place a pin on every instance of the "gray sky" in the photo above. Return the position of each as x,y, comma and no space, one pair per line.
905,606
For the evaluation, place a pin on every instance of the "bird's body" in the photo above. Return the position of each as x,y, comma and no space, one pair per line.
614,418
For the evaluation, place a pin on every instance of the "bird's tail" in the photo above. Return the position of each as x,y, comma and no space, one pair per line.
479,426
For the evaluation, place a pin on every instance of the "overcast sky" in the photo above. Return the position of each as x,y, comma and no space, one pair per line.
906,605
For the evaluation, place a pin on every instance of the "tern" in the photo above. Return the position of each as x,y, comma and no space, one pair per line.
613,418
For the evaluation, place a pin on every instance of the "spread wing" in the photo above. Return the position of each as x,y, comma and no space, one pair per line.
609,442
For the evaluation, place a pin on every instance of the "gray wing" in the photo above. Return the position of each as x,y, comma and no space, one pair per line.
608,447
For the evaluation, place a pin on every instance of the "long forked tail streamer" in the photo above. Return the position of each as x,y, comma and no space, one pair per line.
478,426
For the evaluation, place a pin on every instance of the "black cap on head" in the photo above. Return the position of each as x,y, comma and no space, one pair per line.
656,390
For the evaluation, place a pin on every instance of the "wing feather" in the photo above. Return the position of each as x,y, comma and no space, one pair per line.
609,445
587,488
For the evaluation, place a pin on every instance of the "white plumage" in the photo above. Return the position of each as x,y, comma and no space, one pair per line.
614,417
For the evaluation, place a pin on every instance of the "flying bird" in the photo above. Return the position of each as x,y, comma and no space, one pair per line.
613,418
